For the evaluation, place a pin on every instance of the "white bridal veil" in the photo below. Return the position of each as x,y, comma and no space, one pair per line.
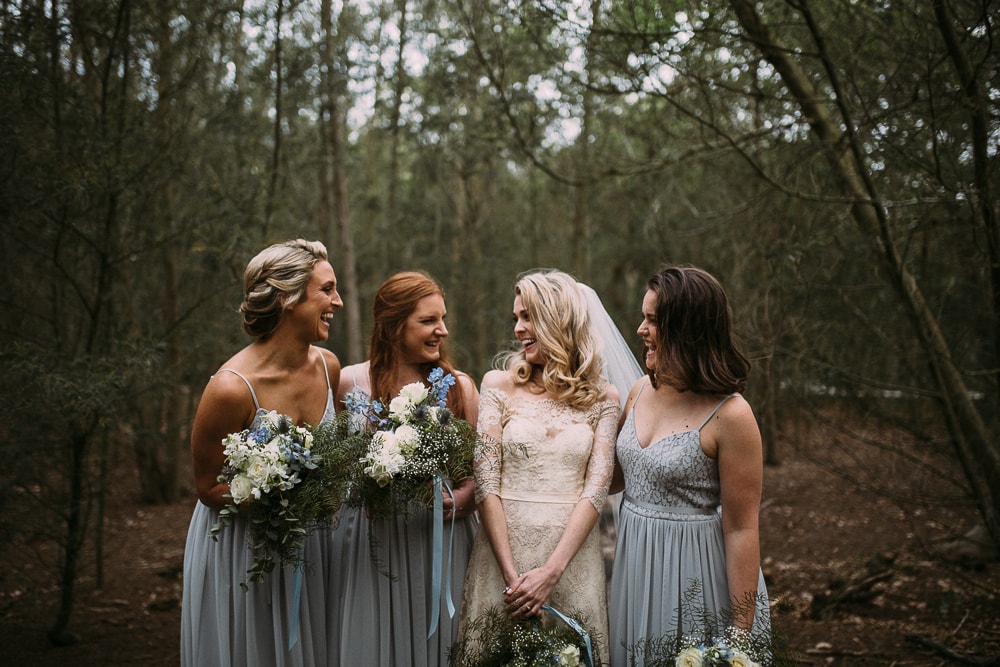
620,367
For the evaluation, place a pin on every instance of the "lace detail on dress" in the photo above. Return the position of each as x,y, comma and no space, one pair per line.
540,447
486,464
673,472
541,458
604,418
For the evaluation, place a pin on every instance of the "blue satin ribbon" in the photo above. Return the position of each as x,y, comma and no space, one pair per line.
588,659
293,628
437,545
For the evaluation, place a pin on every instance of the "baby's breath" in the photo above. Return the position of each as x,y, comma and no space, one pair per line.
394,450
495,640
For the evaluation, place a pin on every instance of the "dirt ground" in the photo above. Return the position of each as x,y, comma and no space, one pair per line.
852,580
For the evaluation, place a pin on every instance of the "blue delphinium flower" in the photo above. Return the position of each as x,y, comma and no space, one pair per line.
440,384
261,434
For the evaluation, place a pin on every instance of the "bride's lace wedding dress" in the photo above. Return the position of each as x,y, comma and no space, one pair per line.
549,457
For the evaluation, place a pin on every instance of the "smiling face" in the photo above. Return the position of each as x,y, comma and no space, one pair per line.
524,331
648,331
318,302
424,331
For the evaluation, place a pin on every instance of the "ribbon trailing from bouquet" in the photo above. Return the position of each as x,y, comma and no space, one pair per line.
437,546
293,628
588,659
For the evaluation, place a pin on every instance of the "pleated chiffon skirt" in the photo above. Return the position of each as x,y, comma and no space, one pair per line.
282,621
385,596
669,577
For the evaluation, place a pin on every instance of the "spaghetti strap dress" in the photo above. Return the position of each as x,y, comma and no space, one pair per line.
384,594
670,561
279,622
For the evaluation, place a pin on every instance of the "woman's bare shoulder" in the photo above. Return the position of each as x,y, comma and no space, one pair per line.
500,380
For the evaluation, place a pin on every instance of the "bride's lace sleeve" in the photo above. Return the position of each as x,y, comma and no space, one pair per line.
604,420
489,455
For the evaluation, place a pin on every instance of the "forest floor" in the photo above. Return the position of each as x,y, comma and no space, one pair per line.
852,580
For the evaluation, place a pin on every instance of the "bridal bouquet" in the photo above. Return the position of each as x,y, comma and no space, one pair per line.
404,446
496,640
280,480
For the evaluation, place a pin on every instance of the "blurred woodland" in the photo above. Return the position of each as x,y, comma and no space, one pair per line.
834,163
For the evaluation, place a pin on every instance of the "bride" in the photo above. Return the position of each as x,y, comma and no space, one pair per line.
549,420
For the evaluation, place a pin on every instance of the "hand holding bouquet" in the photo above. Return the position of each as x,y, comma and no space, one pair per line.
281,481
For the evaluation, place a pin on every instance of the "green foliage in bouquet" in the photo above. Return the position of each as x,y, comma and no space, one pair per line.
714,641
284,480
392,453
496,640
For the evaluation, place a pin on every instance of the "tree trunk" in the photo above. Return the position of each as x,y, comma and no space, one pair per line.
403,252
334,152
279,83
974,444
978,105
76,525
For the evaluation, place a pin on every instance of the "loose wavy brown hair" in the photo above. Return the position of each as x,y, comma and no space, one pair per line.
697,349
395,301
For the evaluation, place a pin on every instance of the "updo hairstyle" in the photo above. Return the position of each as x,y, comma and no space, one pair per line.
275,280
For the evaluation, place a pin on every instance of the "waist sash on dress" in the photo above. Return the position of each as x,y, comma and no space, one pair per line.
536,497
660,511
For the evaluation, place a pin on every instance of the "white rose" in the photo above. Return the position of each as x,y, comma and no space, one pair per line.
240,488
383,458
569,656
399,408
689,657
258,470
414,392
391,460
384,440
407,438
740,659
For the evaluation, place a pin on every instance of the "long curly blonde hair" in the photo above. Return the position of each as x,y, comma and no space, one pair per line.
558,312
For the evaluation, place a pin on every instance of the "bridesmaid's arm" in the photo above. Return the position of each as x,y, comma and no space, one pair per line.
741,472
533,588
225,407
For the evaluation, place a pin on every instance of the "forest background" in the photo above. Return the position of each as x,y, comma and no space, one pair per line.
834,164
